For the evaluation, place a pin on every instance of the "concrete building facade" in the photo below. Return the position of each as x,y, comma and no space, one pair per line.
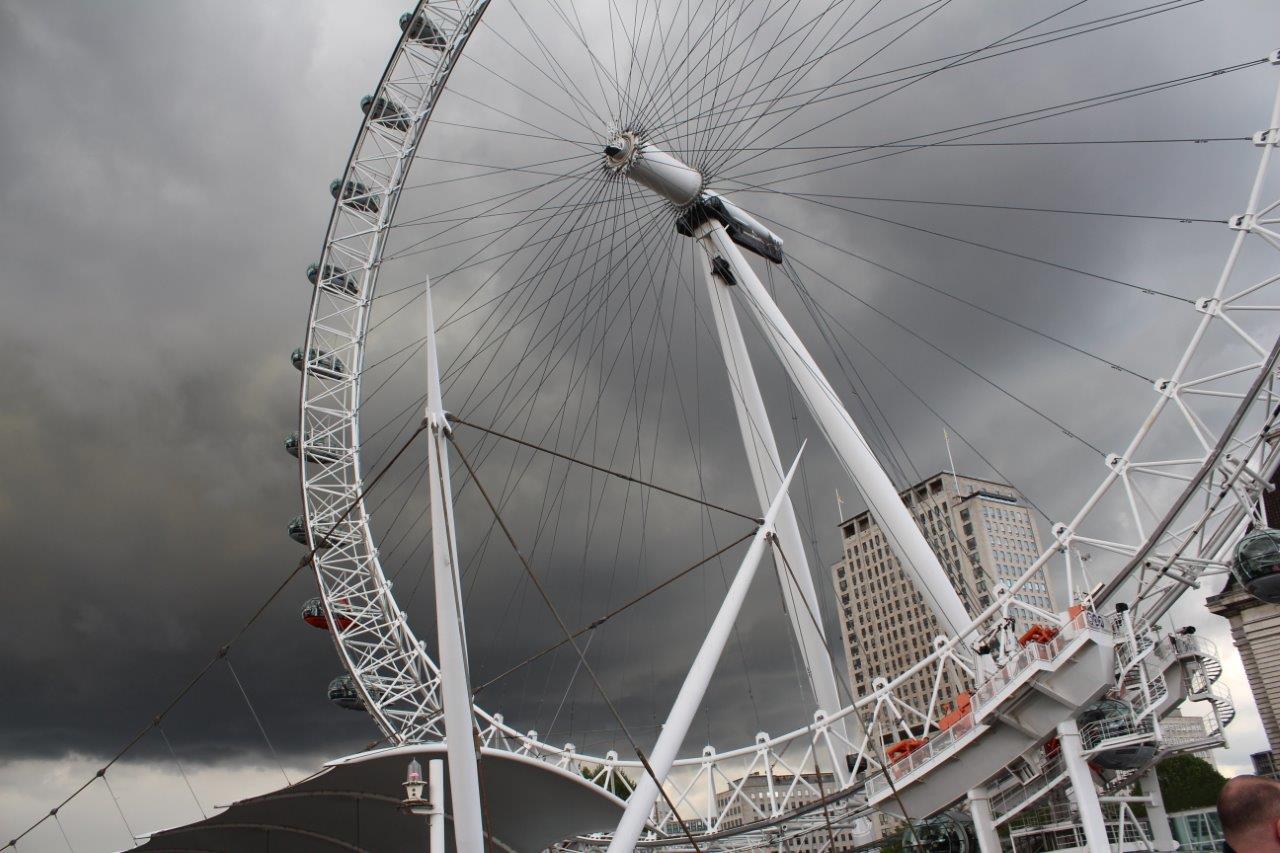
759,792
1180,729
985,536
1255,630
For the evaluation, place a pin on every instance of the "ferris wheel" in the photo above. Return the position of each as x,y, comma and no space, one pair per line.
642,249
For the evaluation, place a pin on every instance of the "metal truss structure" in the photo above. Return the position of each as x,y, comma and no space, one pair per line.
1158,524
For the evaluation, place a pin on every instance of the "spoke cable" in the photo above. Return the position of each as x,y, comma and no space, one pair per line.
612,473
221,653
258,720
537,584
627,605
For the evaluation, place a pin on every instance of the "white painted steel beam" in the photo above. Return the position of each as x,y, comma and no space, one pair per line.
794,576
455,687
984,826
435,793
694,688
1157,816
1083,792
902,534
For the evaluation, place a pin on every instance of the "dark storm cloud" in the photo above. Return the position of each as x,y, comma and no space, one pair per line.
164,187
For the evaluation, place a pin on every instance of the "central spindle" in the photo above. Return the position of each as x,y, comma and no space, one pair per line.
677,182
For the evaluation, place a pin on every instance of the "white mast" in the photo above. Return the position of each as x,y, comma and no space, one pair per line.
765,463
688,700
455,686
901,533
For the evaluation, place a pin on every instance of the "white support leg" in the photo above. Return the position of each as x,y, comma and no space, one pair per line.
984,826
1082,789
766,473
689,699
904,536
435,793
459,722
1161,832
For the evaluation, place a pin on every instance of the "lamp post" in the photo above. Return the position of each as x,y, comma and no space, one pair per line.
432,805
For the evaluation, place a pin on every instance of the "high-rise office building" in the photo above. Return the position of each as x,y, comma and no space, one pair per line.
984,535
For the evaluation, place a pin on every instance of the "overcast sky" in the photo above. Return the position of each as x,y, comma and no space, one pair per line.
165,171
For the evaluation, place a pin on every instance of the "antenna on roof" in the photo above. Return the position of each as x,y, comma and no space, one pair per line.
946,439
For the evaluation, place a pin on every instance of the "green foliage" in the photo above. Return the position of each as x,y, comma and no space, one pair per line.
1188,782
620,784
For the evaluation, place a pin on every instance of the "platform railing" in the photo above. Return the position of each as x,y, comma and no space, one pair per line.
1096,734
1009,673
1015,796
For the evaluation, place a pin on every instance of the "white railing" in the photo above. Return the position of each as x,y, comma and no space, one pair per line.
1033,653
1014,670
1015,796
1095,735
1194,644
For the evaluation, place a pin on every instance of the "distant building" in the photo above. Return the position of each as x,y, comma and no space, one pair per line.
1264,764
985,537
754,801
1255,629
1182,729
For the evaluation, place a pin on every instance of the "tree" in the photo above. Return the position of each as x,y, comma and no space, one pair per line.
1188,782
620,784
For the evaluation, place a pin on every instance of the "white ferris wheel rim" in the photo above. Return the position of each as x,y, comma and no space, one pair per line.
389,665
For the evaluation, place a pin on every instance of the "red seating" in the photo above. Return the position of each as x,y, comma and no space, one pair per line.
963,703
900,750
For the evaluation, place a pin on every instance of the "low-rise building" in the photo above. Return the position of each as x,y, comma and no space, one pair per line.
758,796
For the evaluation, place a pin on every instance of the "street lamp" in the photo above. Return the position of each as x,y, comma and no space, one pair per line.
413,785
432,804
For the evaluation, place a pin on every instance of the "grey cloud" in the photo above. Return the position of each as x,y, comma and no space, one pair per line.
165,186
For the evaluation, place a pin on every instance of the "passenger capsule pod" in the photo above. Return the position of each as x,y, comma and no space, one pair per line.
422,29
947,832
313,614
333,278
298,533
1108,720
319,362
1257,564
298,529
354,194
343,693
386,112
321,453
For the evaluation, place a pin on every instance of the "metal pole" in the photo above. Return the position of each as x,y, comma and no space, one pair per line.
903,535
1083,791
464,778
1161,832
435,794
984,826
688,700
766,473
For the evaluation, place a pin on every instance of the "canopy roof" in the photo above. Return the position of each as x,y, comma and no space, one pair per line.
353,804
